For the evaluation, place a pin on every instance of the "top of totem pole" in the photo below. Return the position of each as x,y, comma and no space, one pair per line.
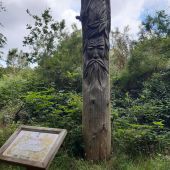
95,17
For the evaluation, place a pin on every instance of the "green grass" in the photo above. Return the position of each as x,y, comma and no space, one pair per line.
64,162
118,162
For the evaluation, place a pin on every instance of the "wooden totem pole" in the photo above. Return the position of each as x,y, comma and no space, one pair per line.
96,21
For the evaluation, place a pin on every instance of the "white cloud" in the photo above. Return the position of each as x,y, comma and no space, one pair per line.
69,16
157,4
127,13
65,9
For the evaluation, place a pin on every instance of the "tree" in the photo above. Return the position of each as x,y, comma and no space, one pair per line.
44,36
2,8
16,59
157,25
64,68
3,39
121,45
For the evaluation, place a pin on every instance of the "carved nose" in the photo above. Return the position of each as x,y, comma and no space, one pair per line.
95,54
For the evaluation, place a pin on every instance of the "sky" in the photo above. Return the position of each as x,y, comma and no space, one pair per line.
123,12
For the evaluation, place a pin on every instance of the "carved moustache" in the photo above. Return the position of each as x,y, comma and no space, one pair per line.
95,65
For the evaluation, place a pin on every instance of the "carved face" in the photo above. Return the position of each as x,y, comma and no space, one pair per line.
96,48
95,68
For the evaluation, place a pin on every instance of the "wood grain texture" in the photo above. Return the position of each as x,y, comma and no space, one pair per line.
96,21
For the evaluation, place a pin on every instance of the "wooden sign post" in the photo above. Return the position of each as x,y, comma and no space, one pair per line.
32,147
96,21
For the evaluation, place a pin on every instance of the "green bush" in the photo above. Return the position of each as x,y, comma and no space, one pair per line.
137,140
58,110
6,132
14,86
147,57
141,123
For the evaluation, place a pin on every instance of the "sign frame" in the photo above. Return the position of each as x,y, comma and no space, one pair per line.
29,164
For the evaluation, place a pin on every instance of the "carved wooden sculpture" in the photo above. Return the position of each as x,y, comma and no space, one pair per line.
96,20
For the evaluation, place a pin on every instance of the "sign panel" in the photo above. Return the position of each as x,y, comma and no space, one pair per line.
32,146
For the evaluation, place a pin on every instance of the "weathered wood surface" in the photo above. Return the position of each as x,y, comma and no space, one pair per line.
29,164
96,21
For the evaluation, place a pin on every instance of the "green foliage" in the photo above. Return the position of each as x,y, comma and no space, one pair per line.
136,140
10,89
16,59
2,71
158,86
64,68
141,121
57,110
69,51
6,132
121,162
147,57
121,45
44,36
3,39
156,26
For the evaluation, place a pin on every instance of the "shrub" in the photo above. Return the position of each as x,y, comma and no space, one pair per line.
58,110
141,122
6,132
14,86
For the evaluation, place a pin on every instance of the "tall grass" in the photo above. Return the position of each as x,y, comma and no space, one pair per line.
119,162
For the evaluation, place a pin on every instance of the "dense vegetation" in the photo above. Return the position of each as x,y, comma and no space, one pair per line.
49,94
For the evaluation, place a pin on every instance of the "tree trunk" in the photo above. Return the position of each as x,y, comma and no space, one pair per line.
95,18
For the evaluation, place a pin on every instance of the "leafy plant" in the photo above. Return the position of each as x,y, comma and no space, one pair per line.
58,110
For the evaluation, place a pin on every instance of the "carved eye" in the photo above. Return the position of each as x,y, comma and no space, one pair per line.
101,47
90,48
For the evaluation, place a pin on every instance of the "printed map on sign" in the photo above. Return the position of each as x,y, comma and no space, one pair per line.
33,146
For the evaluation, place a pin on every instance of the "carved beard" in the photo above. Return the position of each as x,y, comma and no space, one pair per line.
95,70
